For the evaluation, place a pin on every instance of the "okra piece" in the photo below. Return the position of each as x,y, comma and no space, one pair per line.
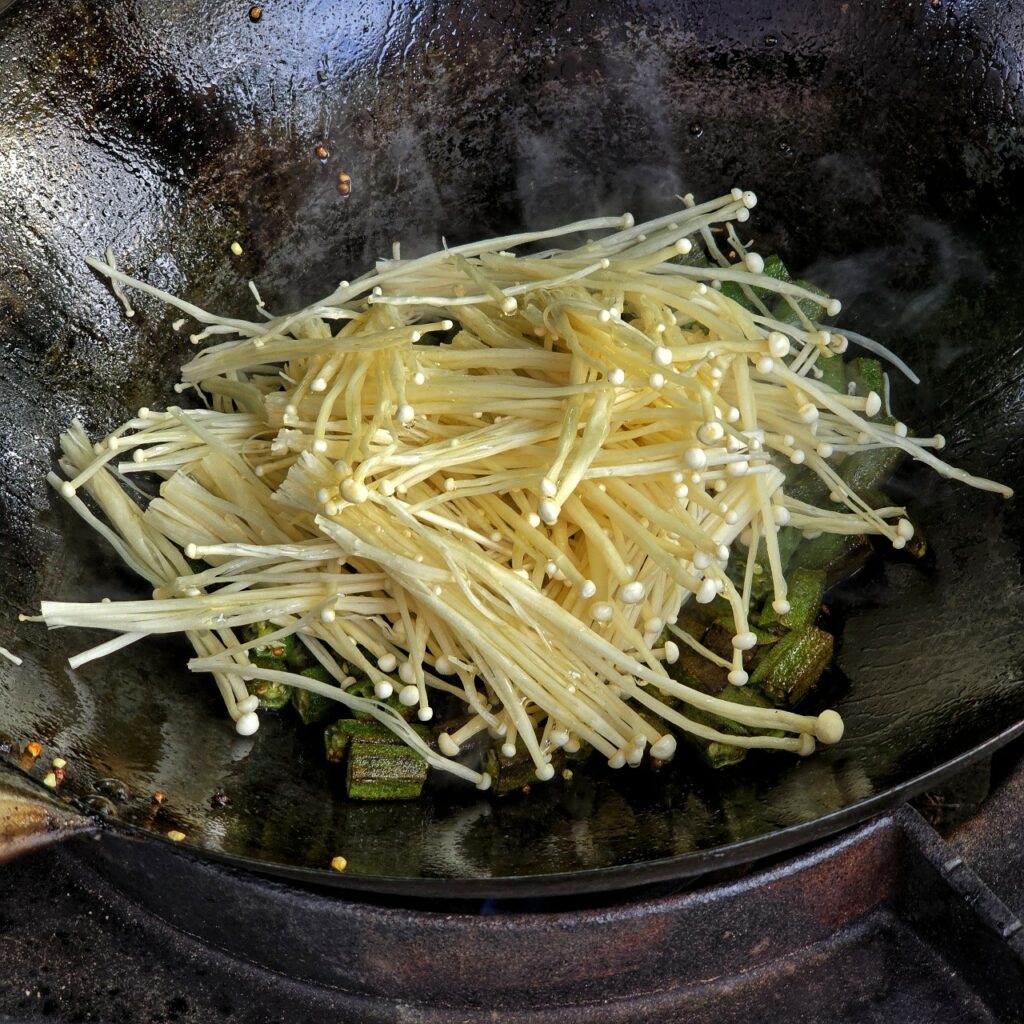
838,554
833,373
715,753
339,735
789,541
693,619
804,590
789,670
384,771
272,696
719,639
509,774
866,375
864,471
313,707
364,688
734,291
281,649
802,484
773,267
784,312
692,669
297,656
696,257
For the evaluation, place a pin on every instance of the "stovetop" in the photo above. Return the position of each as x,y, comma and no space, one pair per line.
889,921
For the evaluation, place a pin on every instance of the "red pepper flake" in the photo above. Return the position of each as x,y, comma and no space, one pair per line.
34,749
158,797
322,152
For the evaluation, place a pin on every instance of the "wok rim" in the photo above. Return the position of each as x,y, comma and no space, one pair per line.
609,879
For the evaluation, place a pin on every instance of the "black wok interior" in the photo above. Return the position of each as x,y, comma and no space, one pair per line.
883,141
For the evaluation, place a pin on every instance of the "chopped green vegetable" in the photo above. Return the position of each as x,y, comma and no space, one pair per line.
312,707
866,375
803,485
715,753
694,670
805,589
832,372
784,312
279,649
338,735
384,771
272,696
773,268
789,670
864,471
509,774
838,554
364,688
718,639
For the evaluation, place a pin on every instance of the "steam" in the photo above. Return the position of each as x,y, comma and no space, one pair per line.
906,283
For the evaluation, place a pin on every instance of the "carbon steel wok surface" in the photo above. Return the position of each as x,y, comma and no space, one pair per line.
883,141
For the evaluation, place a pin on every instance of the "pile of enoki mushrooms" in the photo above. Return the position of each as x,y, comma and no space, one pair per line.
495,472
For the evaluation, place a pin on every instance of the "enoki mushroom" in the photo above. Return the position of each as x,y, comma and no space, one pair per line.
493,474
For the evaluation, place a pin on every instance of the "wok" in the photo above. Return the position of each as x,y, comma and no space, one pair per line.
883,140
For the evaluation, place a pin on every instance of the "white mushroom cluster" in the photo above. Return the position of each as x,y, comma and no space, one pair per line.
495,472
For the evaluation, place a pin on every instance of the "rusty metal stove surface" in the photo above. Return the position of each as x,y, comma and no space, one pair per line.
887,922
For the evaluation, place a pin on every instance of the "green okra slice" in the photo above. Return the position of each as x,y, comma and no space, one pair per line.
805,589
696,257
788,671
314,707
272,696
384,771
297,656
509,774
803,484
279,650
364,688
773,268
719,639
833,374
716,753
694,670
865,375
789,540
838,554
867,470
339,735
786,314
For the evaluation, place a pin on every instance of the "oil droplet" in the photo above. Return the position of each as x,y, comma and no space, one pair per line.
255,13
696,129
344,183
